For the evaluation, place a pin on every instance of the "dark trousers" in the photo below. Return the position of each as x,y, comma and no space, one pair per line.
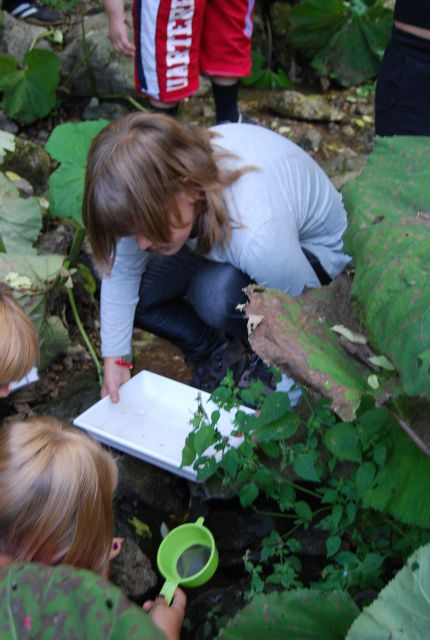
192,301
402,99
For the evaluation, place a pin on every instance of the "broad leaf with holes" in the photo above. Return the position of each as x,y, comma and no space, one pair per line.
69,144
389,238
29,88
20,219
303,614
402,609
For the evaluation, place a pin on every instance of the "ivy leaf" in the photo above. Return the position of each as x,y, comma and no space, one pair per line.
332,545
248,494
365,476
29,89
343,441
203,438
188,452
303,511
304,464
69,144
230,462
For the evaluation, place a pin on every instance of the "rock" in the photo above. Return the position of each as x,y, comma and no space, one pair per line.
30,162
57,240
23,186
7,125
310,140
105,72
131,570
81,392
292,104
345,166
238,530
18,36
348,131
153,486
96,110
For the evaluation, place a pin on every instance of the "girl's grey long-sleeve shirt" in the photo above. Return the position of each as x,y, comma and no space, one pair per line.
284,203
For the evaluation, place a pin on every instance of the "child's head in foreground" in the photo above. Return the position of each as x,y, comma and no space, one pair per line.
19,347
56,490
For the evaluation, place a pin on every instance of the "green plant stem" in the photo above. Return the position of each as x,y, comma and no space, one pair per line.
129,98
79,65
275,514
395,527
84,334
40,36
78,238
87,54
2,246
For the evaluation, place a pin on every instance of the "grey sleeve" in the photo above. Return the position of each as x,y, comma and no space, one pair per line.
119,297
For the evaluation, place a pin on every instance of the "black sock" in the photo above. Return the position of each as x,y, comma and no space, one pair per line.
225,97
168,111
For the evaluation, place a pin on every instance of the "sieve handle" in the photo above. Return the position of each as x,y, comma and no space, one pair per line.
168,591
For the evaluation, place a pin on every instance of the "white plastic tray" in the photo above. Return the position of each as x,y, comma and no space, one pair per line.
152,420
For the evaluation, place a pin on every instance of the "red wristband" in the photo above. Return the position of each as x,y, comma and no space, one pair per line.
123,363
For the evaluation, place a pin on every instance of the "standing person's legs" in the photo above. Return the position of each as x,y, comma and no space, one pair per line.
226,52
402,99
167,39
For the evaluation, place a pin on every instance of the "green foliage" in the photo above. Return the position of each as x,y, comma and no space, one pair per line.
319,473
400,611
69,144
20,219
296,615
389,239
29,88
263,77
345,40
402,608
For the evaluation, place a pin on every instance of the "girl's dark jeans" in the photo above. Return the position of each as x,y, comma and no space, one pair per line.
192,301
402,99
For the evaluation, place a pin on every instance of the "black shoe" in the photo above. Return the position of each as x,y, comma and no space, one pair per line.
242,119
32,12
209,373
257,370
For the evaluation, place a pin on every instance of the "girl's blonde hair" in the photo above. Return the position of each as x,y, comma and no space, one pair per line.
136,167
19,345
56,491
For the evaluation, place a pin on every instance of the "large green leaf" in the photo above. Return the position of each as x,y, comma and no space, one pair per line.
20,219
347,39
402,609
37,601
38,275
29,89
389,236
69,144
401,485
296,336
296,615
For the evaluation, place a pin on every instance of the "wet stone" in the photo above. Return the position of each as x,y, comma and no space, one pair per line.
131,570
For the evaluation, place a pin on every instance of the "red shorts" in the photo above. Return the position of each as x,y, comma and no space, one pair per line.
176,40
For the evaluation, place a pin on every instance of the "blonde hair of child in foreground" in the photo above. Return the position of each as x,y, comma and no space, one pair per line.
56,493
19,346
